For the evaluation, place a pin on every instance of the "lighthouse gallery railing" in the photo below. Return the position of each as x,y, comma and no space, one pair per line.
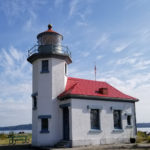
64,49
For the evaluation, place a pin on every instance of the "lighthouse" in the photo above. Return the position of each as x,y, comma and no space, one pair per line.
49,61
68,111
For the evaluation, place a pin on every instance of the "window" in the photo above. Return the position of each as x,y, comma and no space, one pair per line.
44,66
94,115
117,119
44,124
34,102
129,120
65,68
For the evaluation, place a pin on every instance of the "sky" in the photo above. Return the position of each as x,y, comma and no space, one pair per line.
113,34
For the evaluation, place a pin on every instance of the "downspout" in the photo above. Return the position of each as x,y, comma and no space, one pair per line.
135,129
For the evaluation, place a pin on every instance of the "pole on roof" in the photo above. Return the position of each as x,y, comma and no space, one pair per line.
95,71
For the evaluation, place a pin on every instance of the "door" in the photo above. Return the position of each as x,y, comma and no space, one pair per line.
65,123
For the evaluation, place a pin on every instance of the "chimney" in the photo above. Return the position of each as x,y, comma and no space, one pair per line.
103,91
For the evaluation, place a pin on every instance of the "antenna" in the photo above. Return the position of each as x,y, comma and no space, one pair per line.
95,71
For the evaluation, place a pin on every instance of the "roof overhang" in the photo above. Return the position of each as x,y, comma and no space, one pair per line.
36,56
89,97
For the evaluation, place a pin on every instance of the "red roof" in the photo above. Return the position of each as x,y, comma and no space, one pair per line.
48,31
51,31
91,88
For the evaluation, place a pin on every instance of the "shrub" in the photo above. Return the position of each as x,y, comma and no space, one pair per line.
3,136
142,137
148,139
142,134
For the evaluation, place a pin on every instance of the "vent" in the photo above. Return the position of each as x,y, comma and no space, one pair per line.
103,91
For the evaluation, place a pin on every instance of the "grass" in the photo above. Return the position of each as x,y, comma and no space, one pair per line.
4,138
142,137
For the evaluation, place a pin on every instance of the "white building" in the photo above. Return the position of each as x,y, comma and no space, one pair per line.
82,112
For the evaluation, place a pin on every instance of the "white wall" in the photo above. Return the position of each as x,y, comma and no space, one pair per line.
48,86
81,130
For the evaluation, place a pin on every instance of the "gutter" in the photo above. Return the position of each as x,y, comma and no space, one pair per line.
89,97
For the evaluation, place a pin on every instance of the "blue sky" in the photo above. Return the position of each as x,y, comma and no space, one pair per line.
114,34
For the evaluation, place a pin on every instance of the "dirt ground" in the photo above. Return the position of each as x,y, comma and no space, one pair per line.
100,147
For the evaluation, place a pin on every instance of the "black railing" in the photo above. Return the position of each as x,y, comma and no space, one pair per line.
52,48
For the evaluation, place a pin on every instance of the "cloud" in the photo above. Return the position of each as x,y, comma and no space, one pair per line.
8,59
135,61
126,60
17,10
101,40
82,8
121,47
99,57
15,54
142,64
28,26
73,7
15,77
136,86
76,72
14,112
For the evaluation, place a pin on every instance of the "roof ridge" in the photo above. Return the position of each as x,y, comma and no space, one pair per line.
74,78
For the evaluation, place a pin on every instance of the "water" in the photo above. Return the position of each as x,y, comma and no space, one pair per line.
16,131
144,129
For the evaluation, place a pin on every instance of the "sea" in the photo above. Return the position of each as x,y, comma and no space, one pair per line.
147,130
16,131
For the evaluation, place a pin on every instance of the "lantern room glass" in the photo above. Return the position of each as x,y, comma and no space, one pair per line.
49,39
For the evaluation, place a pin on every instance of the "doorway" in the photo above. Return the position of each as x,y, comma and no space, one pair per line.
65,123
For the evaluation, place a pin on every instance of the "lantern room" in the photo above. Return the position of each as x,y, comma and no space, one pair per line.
49,44
49,40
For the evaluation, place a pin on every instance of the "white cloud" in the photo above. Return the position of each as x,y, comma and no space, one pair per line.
99,57
21,10
73,7
121,47
136,62
136,86
126,60
16,54
30,22
142,64
15,77
7,58
101,40
14,112
81,8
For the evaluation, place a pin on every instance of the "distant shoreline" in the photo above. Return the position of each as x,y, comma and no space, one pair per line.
29,127
17,127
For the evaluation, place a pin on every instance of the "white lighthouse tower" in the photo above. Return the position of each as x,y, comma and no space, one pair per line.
49,61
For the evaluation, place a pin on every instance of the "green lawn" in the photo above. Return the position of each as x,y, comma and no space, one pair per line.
4,140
